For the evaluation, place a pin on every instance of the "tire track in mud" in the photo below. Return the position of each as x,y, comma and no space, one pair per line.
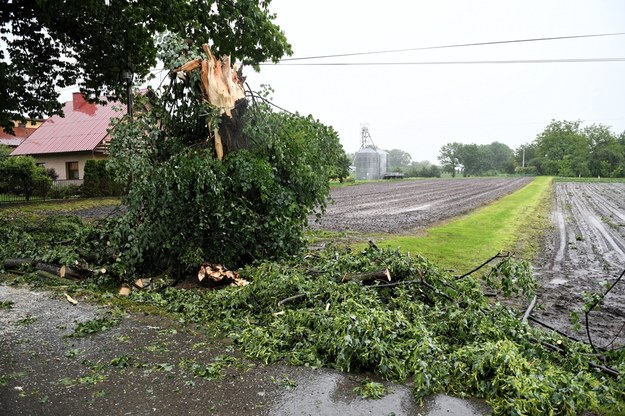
585,248
394,207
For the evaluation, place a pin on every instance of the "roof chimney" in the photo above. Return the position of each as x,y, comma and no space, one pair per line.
79,100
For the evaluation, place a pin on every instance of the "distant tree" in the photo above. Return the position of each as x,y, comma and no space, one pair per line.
398,160
340,168
501,157
563,149
449,157
607,154
51,44
470,157
423,169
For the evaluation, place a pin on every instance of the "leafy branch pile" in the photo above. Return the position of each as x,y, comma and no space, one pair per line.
439,332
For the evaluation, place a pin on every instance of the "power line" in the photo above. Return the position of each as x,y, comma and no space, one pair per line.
512,61
459,45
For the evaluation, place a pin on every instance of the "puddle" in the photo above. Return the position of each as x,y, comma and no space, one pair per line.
558,281
326,392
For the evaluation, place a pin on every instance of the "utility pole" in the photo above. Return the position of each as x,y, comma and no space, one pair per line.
128,76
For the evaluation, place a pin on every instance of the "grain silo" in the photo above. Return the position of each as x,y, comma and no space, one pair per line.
370,161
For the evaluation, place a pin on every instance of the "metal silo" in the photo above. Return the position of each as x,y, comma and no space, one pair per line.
370,161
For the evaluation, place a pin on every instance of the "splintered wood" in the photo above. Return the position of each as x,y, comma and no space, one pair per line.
213,275
222,87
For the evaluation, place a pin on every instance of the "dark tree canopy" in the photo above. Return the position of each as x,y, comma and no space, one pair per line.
565,148
51,44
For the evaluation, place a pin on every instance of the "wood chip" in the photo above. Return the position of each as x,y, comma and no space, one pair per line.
71,299
124,290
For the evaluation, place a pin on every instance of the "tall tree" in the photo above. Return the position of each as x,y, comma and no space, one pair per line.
501,156
52,44
449,157
563,149
398,159
470,157
606,153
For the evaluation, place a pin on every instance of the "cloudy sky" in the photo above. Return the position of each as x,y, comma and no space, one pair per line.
420,107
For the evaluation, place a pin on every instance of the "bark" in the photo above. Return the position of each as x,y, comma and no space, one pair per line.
52,269
77,273
529,310
17,263
368,277
222,87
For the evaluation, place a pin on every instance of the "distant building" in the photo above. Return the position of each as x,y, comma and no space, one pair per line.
66,143
370,161
22,132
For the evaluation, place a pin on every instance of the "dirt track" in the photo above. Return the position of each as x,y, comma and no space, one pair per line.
405,206
586,247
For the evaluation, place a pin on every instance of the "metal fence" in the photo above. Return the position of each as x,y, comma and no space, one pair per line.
60,189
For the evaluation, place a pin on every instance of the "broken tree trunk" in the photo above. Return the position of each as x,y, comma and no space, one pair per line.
368,277
222,86
77,273
216,275
51,268
17,263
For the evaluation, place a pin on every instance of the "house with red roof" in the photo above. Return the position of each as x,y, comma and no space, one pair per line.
66,143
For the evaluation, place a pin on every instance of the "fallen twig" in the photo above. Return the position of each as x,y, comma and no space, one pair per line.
594,304
292,298
529,310
496,256
572,338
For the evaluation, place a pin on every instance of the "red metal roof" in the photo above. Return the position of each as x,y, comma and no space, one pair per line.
82,129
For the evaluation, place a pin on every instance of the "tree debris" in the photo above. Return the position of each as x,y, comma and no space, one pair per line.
368,277
222,86
214,275
71,299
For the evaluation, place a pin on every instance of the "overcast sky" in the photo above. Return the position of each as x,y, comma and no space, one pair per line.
419,108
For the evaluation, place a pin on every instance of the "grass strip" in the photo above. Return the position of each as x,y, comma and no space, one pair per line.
515,222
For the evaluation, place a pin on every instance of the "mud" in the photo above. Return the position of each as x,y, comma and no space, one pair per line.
585,248
406,206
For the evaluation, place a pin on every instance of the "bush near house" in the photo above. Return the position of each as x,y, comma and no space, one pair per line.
98,180
21,176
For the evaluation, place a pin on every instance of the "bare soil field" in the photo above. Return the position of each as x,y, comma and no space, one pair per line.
585,248
395,207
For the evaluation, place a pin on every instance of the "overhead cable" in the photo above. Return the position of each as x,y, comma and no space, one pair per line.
459,45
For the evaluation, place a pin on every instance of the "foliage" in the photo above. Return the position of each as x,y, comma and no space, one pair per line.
397,160
98,181
5,151
21,176
441,333
46,49
371,390
565,148
473,159
423,169
94,326
38,237
184,206
450,157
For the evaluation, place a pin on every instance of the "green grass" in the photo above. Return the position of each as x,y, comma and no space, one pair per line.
513,223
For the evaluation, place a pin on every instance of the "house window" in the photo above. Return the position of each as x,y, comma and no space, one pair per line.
72,170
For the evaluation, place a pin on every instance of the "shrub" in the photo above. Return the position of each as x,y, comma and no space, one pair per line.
20,175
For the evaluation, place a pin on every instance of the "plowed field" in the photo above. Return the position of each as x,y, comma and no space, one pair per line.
585,248
405,206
